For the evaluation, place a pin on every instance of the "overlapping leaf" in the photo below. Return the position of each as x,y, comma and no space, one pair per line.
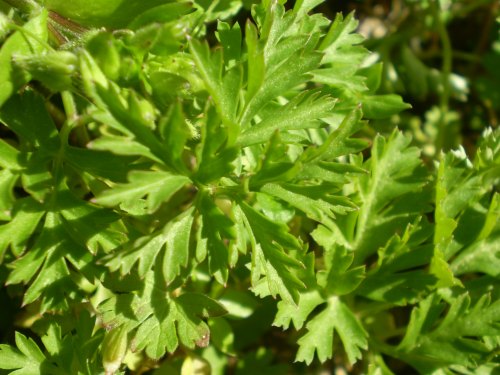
166,249
400,276
434,339
46,266
64,353
467,213
389,197
337,279
158,186
271,244
30,39
159,320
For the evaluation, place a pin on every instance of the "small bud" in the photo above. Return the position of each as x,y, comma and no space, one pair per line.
141,110
129,70
115,347
104,49
54,69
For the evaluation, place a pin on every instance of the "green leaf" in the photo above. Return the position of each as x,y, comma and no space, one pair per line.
9,156
15,233
173,238
270,243
221,85
8,181
302,7
176,133
466,213
336,317
215,229
98,163
159,321
124,110
27,359
10,358
276,63
21,42
54,274
239,304
483,255
382,106
278,80
21,121
162,14
389,197
339,141
75,351
216,156
54,69
302,112
158,186
230,39
275,164
343,55
222,335
114,14
339,278
315,202
436,340
96,228
400,276
298,314
121,146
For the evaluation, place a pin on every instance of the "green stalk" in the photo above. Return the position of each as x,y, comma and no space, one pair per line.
447,53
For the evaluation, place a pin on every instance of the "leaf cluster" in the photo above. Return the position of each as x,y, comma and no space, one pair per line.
161,194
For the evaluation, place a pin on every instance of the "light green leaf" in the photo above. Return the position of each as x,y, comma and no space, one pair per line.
456,338
383,106
239,304
221,85
270,243
158,186
483,255
316,203
302,112
342,55
9,156
222,335
16,233
389,197
27,359
401,275
160,322
45,267
298,314
173,238
10,358
11,79
215,228
336,317
7,183
121,146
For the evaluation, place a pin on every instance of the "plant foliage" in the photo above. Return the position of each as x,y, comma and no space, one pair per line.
171,187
